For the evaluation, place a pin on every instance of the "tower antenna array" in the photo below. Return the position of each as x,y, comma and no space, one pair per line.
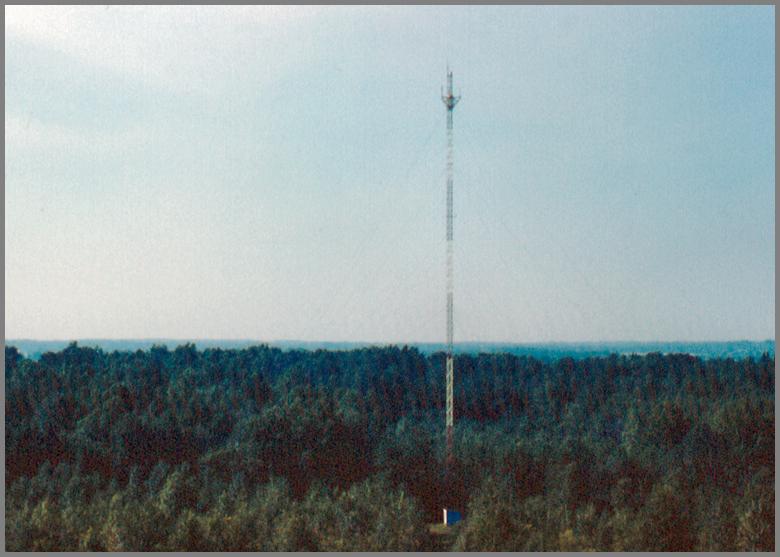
449,100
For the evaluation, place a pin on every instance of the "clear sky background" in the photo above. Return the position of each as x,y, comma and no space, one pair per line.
278,173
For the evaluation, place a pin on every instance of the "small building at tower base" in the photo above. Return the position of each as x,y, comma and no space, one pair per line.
451,517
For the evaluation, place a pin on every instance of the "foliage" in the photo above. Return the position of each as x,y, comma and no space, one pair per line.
265,449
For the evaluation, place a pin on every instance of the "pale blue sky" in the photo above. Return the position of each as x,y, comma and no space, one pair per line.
278,173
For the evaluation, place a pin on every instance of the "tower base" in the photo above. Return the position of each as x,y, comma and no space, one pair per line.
451,517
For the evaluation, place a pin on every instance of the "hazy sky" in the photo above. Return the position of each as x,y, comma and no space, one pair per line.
278,173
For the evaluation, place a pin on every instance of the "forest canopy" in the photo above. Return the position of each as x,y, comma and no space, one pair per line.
261,448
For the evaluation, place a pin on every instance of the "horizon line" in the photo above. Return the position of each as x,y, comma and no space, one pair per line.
380,343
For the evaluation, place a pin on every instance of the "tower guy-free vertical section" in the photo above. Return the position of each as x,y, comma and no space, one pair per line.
450,100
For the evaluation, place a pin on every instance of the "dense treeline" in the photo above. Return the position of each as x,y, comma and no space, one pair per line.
547,351
264,449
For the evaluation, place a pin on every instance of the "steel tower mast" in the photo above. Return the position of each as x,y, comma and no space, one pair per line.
450,100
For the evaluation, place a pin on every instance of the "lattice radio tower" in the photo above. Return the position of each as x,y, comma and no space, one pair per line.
450,101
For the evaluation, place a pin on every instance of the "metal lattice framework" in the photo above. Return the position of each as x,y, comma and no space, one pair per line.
450,100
